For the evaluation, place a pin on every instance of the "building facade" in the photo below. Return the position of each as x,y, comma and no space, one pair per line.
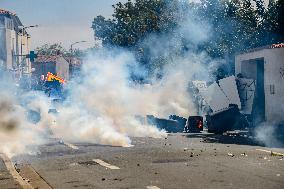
56,65
265,66
14,44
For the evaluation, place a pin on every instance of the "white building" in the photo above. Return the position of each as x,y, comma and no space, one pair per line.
266,67
14,44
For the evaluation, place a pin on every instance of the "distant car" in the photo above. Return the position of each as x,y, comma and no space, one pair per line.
194,124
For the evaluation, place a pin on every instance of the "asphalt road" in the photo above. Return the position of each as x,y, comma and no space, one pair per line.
179,161
6,179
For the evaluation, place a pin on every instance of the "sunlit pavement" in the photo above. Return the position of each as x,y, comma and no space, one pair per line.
178,161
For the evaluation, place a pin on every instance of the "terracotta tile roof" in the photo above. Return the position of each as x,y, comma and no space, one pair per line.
280,45
273,46
43,58
2,11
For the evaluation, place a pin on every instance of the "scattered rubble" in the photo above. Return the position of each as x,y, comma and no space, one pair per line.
271,152
244,154
73,164
276,154
230,154
17,167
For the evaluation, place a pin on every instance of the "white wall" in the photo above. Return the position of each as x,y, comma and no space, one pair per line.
9,46
273,66
62,68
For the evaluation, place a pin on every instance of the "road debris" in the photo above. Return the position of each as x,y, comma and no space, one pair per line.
71,146
73,164
107,165
278,175
244,154
152,187
230,154
271,152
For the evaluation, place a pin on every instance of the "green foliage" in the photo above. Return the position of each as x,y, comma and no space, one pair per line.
242,25
235,25
133,21
272,28
51,50
57,49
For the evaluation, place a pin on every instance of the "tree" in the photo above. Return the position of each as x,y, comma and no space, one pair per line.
272,30
57,49
133,21
51,50
236,26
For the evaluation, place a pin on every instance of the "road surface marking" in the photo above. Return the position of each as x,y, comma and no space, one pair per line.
27,171
10,167
152,187
271,152
107,165
71,146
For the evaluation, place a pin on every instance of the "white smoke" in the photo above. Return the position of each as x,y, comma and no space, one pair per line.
103,101
267,134
17,133
102,106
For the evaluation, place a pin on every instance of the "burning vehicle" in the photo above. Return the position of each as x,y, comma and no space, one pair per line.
194,124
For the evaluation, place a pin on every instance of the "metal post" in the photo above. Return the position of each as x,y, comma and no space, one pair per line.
71,47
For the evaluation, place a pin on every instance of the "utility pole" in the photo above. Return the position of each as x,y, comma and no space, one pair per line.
24,63
23,32
71,47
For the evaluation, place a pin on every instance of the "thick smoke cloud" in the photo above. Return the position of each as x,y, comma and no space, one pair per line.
102,103
104,100
269,134
17,133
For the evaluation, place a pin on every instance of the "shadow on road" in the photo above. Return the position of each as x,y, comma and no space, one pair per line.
224,139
